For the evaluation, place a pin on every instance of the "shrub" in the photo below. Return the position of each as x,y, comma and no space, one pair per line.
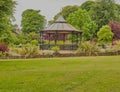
48,53
88,48
30,51
105,35
3,48
115,27
34,42
14,51
110,50
55,49
3,54
60,42
117,46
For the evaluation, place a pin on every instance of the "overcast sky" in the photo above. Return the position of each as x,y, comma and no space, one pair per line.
48,7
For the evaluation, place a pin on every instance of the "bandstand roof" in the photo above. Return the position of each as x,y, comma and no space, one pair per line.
61,25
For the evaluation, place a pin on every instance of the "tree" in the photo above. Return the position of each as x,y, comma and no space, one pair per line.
81,20
90,30
87,5
32,21
8,37
7,8
27,38
115,27
6,14
105,35
104,11
66,11
118,10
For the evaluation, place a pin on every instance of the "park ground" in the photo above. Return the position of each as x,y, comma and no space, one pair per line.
77,74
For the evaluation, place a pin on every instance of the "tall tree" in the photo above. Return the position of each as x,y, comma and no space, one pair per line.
81,20
7,8
118,11
104,11
67,10
87,5
32,21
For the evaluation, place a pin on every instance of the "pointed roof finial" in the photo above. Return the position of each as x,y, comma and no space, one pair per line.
60,18
61,11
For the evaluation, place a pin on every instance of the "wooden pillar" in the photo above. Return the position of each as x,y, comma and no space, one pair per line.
80,36
41,40
72,40
64,38
77,40
49,40
55,39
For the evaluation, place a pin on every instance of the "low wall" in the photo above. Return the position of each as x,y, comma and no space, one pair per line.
64,55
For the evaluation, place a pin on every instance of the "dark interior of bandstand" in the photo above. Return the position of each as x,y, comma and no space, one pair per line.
60,39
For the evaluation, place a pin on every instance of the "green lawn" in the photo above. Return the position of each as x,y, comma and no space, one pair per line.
78,74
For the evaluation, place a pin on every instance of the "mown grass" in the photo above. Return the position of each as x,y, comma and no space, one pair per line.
78,74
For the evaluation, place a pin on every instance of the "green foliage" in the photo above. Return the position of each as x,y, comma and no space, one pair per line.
104,11
22,38
6,14
67,10
48,53
109,50
32,21
8,37
6,17
105,35
72,37
89,30
29,51
87,5
7,7
56,49
28,38
2,54
60,42
118,9
81,20
88,48
34,43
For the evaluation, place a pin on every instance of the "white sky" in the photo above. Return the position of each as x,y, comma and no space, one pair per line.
48,7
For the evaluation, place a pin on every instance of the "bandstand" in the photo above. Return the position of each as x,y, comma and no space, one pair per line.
58,32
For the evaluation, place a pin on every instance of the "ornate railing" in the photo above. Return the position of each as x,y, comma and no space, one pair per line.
62,47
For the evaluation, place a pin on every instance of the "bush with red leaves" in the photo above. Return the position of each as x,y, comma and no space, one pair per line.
3,48
115,27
